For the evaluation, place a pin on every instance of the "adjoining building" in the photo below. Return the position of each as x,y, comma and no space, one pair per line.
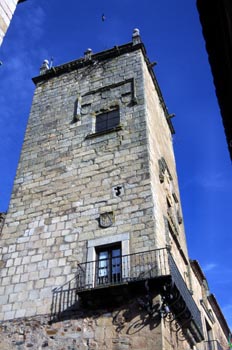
7,9
93,249
216,20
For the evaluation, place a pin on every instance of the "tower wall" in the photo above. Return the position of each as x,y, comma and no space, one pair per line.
97,176
66,179
165,191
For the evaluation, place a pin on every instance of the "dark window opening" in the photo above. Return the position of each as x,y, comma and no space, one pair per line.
108,265
107,121
169,204
118,190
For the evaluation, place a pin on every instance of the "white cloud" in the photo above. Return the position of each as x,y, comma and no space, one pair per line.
21,50
209,267
21,54
29,24
211,181
214,181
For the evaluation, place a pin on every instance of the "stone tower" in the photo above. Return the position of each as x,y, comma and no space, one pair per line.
94,233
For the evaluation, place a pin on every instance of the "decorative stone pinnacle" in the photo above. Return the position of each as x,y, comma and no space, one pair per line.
88,54
44,67
136,36
2,220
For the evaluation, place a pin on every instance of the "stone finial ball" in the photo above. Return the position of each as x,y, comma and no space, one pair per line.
136,31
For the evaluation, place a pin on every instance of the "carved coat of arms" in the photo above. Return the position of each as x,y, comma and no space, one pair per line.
106,219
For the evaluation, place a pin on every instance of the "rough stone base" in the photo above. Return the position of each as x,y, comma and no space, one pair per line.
129,327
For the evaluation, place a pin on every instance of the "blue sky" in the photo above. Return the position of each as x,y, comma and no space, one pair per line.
172,35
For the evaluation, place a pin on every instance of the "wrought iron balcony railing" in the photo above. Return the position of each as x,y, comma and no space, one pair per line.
123,269
132,268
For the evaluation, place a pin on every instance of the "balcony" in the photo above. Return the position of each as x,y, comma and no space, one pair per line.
122,269
124,276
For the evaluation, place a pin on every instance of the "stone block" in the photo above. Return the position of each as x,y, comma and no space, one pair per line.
56,271
5,281
11,271
9,263
44,273
20,270
36,258
34,295
70,238
12,248
33,275
26,260
3,299
9,315
20,313
22,296
39,284
31,267
62,262
52,263
42,264
16,279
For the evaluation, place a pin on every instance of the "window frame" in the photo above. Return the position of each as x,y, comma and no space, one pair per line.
107,120
94,244
108,269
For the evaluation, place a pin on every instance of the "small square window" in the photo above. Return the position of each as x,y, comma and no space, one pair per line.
107,121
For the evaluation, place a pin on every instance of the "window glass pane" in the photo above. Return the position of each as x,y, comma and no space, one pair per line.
101,122
103,264
116,265
109,265
116,252
116,261
107,121
103,255
113,119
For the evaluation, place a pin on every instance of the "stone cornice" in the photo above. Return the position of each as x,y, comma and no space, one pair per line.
101,56
83,62
217,310
198,271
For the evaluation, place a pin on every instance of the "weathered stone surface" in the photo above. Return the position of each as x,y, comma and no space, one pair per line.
77,191
100,331
64,181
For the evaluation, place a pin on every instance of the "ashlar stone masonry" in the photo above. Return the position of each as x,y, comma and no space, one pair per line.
93,250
